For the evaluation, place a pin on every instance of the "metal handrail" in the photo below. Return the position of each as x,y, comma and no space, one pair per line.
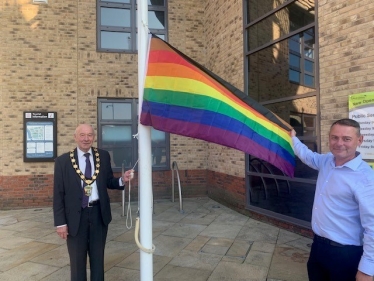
174,167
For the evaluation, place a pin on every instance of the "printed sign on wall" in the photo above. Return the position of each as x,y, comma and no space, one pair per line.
361,109
40,136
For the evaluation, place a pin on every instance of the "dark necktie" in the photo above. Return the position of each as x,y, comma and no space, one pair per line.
87,174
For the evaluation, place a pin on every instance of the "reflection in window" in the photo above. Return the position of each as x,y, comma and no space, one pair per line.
158,147
115,110
272,69
301,69
112,135
115,40
255,8
292,17
280,75
285,197
117,139
115,17
156,19
117,24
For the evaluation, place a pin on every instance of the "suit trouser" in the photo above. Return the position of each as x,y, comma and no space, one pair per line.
90,240
330,261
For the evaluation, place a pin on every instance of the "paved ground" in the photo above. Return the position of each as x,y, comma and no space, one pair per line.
207,242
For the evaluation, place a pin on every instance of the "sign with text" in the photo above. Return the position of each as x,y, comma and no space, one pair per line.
361,109
39,136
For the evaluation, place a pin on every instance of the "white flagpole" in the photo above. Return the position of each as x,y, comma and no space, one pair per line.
145,162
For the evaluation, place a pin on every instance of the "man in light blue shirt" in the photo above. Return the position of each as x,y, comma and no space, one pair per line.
343,209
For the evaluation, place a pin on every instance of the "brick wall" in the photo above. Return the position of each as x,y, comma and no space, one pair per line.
49,62
37,190
346,57
223,22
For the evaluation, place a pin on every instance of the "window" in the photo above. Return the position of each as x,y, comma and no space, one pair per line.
117,24
282,70
117,125
301,58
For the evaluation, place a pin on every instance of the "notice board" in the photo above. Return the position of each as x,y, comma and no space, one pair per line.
39,136
361,109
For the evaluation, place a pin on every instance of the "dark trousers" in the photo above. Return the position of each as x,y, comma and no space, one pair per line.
330,261
90,240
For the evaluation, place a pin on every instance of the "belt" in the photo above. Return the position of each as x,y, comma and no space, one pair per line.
326,241
93,203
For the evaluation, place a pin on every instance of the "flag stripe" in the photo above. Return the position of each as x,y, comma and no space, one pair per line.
163,63
222,122
185,101
183,97
220,136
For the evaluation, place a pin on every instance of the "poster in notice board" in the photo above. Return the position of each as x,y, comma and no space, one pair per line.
39,136
361,109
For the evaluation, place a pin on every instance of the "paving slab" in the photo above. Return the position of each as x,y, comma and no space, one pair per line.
230,271
171,272
207,242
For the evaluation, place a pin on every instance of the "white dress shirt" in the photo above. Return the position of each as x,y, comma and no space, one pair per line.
82,166
343,208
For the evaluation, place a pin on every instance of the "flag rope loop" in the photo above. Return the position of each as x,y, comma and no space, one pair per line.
140,246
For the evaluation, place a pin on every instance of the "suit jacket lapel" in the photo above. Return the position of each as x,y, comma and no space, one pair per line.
77,162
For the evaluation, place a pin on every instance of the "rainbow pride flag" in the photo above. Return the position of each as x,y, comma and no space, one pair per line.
184,98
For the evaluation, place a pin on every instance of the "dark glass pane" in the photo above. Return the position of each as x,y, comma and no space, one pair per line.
281,23
308,80
301,13
115,17
156,2
309,38
289,198
121,155
295,44
258,8
309,66
295,61
294,76
309,41
115,40
158,139
156,20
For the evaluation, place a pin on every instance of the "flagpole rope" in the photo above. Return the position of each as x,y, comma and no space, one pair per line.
129,213
140,246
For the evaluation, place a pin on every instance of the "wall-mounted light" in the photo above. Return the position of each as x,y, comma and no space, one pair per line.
40,1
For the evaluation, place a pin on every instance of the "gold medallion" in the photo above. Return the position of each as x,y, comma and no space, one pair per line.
88,190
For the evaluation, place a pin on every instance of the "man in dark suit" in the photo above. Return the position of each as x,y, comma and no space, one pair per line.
82,175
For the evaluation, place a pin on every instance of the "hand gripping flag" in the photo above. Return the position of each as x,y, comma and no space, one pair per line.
184,98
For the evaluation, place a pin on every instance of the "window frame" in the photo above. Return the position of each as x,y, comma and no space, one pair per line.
134,130
247,52
132,29
303,59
